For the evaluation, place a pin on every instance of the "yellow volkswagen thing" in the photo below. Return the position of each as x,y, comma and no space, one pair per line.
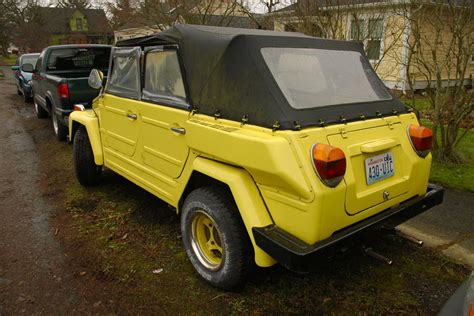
271,146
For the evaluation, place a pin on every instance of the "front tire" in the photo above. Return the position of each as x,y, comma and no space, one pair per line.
87,172
26,97
215,238
60,130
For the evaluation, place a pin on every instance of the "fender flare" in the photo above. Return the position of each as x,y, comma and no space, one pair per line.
247,197
90,121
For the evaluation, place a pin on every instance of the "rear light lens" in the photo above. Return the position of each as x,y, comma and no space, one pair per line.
63,91
79,107
421,139
329,163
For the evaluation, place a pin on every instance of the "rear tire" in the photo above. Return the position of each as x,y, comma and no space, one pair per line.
87,172
215,238
40,112
60,130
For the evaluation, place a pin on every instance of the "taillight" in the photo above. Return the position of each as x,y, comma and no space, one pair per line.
79,107
329,163
421,139
63,91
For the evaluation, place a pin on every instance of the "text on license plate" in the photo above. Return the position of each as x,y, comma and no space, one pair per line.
379,167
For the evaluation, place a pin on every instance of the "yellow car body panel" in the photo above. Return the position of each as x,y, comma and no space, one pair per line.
274,157
89,120
269,173
247,197
140,144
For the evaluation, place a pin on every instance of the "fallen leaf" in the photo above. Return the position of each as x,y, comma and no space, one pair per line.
157,271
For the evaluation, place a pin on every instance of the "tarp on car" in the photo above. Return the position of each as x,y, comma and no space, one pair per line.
228,77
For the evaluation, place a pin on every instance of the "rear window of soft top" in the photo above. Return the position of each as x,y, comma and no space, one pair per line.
311,78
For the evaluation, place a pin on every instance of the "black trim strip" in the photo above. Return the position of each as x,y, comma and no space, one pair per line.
292,252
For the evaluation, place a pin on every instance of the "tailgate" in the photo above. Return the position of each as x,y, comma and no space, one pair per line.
80,92
378,165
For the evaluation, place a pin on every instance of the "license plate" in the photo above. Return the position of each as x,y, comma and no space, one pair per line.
379,167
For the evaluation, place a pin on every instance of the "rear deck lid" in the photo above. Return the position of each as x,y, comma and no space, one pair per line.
377,164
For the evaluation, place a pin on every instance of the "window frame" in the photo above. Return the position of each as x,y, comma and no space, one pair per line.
361,30
164,99
366,18
125,52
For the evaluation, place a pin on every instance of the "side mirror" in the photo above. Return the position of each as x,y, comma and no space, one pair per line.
95,79
15,68
27,68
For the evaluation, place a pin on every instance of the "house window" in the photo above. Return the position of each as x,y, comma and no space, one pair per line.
79,24
374,39
357,30
370,32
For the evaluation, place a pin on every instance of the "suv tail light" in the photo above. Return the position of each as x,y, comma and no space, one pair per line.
63,91
329,163
421,139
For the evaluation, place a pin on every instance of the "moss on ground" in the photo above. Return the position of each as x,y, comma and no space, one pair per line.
119,234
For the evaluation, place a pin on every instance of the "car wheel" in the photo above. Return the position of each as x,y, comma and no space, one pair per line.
26,97
215,238
60,130
40,112
87,172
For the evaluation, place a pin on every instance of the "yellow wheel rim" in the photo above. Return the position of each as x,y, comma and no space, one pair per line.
206,241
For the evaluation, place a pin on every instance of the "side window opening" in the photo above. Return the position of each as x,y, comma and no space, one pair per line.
124,79
162,76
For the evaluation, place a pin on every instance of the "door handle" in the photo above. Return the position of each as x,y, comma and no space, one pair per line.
132,116
179,130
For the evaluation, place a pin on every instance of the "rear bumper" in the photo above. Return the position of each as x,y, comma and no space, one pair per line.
295,254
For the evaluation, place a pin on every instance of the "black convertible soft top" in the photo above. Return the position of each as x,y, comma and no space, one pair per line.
228,77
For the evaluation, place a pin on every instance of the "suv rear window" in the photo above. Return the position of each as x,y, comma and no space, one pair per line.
311,78
84,58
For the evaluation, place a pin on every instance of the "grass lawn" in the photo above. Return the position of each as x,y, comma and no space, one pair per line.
457,176
8,61
421,103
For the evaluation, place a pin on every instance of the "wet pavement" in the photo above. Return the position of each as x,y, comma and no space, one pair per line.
448,227
34,278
